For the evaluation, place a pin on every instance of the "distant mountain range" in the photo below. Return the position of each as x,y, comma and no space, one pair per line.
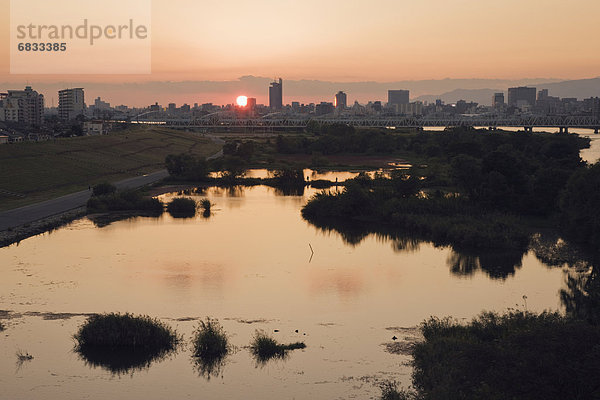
304,91
581,89
481,96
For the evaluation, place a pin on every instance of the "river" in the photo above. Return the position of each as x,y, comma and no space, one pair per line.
250,266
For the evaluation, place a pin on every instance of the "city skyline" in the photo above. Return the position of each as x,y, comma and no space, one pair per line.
522,101
303,91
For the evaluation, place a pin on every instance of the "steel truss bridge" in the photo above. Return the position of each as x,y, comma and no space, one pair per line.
226,121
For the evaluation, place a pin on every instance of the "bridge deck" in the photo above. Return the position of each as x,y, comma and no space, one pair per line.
382,122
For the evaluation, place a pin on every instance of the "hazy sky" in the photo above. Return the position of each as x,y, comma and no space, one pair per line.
386,40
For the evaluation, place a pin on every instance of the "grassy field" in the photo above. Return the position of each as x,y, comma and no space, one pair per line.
33,172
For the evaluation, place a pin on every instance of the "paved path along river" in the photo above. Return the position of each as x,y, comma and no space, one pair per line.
34,212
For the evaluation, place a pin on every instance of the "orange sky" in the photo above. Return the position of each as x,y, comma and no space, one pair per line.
359,40
346,40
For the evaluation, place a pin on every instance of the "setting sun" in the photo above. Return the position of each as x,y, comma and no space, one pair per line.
242,101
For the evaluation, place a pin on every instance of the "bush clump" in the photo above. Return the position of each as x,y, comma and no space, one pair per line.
187,167
206,205
129,200
289,177
122,342
103,188
518,355
210,340
322,184
264,347
211,346
390,391
182,207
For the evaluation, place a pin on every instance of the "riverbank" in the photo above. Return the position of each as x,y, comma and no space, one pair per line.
18,233
35,172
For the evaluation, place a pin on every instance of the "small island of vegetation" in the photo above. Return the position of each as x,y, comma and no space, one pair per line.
122,343
210,347
265,348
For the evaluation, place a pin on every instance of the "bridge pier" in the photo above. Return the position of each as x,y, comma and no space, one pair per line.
563,129
528,128
596,129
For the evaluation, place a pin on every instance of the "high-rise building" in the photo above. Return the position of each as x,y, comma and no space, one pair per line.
71,103
462,106
324,108
594,106
375,106
543,94
415,108
520,96
498,100
276,95
99,104
398,97
22,106
251,104
341,100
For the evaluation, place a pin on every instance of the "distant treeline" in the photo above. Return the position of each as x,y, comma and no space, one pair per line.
338,138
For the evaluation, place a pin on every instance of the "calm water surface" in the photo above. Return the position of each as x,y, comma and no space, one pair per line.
250,266
312,175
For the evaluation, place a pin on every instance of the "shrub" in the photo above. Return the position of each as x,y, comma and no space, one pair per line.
23,356
390,391
210,340
264,347
122,342
230,168
151,205
103,188
187,167
289,177
518,355
182,207
206,205
210,345
96,205
321,184
130,200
